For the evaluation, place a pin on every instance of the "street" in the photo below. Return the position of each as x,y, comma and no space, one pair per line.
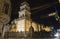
32,38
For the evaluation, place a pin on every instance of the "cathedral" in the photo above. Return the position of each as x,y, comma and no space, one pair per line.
24,22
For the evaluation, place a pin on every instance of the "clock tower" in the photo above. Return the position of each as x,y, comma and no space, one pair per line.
24,21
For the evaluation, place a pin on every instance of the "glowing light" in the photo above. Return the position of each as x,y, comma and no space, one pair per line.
56,34
59,1
34,25
47,29
21,25
51,14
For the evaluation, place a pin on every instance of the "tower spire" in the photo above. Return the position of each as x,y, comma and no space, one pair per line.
24,17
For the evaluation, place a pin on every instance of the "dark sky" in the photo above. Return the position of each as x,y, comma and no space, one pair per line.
33,4
37,13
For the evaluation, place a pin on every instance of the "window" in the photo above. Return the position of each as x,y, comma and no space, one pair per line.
6,7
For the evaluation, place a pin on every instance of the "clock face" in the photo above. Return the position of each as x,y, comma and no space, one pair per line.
6,7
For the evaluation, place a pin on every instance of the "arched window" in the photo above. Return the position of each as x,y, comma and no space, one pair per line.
6,7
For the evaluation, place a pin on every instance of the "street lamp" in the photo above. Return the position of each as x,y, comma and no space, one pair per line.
59,1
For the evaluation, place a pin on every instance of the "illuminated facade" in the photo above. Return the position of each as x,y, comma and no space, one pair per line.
24,22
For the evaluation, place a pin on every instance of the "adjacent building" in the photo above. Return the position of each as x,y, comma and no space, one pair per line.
5,13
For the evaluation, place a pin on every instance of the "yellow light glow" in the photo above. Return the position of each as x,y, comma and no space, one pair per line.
21,25
27,25
34,25
59,1
47,29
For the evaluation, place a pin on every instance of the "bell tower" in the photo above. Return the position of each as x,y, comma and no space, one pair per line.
24,10
24,21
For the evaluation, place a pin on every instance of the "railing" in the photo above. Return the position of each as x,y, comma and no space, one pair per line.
17,35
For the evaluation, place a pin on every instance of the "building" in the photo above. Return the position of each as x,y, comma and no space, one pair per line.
5,13
24,22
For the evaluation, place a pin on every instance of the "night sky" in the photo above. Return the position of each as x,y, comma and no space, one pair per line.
42,7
